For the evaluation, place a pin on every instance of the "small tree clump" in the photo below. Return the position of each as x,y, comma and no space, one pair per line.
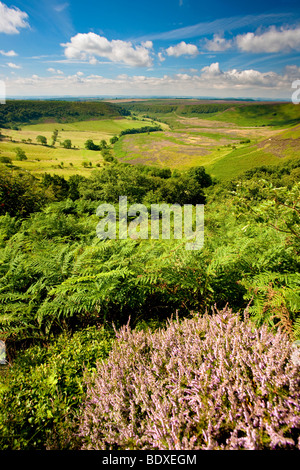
211,382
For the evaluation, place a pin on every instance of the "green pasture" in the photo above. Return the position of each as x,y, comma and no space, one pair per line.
45,158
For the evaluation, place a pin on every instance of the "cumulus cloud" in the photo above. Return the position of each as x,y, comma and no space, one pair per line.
182,49
273,40
243,78
56,71
8,53
13,66
211,70
218,44
147,44
88,46
12,19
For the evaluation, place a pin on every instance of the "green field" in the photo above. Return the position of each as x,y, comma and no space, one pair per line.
46,158
225,138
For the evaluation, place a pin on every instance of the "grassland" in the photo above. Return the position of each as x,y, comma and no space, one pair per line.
56,159
227,138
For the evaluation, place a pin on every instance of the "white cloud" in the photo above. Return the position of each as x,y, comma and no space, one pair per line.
93,61
56,71
243,78
90,45
12,19
9,53
182,49
13,66
273,40
210,81
147,44
212,70
218,44
161,57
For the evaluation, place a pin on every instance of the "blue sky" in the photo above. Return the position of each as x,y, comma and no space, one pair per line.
150,48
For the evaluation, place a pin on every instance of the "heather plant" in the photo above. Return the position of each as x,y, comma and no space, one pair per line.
206,382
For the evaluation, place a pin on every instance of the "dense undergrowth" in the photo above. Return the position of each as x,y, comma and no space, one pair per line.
62,288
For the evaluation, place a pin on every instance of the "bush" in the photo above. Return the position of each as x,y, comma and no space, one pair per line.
5,160
211,382
43,390
20,154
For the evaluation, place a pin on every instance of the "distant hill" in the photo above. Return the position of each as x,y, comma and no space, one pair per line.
262,114
18,112
242,113
178,106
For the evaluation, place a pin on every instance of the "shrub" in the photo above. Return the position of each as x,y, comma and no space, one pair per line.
5,160
20,154
43,390
210,382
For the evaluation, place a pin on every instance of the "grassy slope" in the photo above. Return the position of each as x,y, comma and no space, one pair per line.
271,114
273,150
271,127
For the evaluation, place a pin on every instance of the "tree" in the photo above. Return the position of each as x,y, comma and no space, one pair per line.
20,154
20,193
58,184
89,145
114,139
42,139
199,174
54,136
67,144
103,144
